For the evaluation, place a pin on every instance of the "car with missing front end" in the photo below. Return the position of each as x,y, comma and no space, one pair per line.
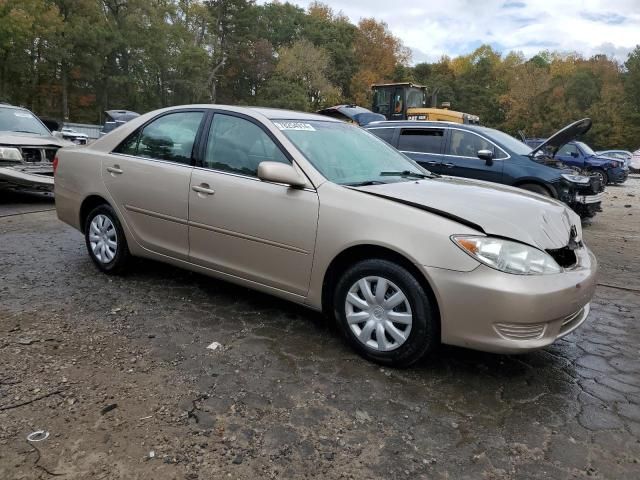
27,150
482,153
579,156
325,214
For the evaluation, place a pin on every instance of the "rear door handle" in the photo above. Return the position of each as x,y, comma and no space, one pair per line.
116,170
432,163
204,189
448,165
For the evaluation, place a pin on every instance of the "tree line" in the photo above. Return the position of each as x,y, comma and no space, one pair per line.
73,59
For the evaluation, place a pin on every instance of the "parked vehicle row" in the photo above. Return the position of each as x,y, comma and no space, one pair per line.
323,213
482,153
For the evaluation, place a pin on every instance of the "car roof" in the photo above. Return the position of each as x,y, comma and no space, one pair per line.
427,123
280,114
8,105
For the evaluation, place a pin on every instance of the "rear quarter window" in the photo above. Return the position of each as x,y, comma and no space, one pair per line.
385,134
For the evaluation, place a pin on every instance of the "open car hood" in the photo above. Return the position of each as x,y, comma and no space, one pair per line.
563,136
495,209
359,115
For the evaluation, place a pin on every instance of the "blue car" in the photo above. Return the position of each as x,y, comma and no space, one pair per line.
580,157
472,151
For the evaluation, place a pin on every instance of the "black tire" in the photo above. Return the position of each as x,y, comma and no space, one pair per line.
535,188
118,263
604,178
424,336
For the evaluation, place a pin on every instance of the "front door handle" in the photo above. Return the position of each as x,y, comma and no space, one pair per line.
204,189
448,165
116,170
431,163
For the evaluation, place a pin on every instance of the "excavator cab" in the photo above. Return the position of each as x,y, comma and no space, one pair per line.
407,101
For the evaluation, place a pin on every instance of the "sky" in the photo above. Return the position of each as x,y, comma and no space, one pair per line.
432,28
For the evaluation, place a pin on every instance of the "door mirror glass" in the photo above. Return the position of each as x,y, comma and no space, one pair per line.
277,172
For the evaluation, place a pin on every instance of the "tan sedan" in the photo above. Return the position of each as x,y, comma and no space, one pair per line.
325,214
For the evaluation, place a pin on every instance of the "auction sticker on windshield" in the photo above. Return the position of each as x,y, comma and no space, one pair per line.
295,126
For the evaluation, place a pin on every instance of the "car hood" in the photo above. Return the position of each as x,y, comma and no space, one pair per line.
563,136
497,210
19,139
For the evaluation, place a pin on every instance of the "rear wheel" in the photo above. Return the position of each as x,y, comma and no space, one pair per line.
535,188
105,240
385,313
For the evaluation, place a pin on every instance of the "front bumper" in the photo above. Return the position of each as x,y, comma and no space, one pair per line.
30,177
589,199
498,312
618,175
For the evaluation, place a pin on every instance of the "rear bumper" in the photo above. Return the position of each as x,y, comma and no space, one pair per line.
28,177
497,312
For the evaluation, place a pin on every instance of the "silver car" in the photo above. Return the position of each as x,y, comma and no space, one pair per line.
325,214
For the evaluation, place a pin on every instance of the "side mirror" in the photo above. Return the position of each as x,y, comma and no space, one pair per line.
277,172
487,156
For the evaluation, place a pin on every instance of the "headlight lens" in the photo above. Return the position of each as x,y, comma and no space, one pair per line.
575,178
507,256
8,153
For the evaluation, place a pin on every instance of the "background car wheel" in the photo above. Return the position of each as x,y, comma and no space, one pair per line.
535,188
385,313
601,175
105,240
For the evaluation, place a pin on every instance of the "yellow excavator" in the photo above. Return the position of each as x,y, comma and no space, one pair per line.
407,101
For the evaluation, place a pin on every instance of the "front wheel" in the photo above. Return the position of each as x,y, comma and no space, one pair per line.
601,175
105,240
385,313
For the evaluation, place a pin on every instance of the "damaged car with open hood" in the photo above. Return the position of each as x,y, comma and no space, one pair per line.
482,153
327,215
27,150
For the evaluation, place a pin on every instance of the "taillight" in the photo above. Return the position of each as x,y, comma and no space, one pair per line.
55,164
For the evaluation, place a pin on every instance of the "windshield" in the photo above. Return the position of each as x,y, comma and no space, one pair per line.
18,120
507,141
346,154
585,148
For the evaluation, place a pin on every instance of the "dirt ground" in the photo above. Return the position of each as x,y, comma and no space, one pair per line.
118,372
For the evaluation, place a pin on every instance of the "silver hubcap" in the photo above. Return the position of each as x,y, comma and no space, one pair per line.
378,313
103,238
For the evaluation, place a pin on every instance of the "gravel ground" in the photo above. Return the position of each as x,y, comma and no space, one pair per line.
118,372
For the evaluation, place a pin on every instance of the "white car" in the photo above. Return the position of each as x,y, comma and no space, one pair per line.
634,164
74,136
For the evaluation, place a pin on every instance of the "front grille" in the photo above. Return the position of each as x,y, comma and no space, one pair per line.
37,154
50,153
519,331
31,155
565,257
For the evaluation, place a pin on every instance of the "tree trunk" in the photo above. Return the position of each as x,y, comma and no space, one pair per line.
65,92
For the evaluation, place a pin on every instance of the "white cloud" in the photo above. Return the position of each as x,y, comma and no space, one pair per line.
454,27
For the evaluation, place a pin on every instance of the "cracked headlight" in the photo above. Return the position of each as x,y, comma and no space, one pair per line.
508,256
581,179
8,153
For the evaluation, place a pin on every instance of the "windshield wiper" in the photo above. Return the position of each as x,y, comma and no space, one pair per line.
365,183
25,131
405,173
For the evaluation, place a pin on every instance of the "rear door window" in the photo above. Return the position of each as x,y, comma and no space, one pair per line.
170,137
421,140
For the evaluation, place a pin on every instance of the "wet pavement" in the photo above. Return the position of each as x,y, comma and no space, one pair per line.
284,396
